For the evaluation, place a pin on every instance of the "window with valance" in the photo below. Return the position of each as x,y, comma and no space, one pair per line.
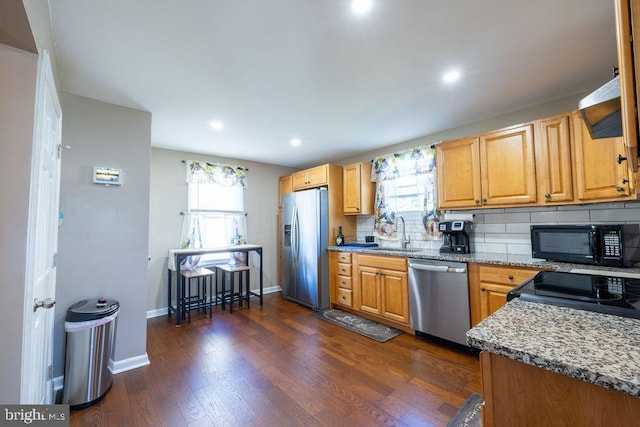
406,183
215,214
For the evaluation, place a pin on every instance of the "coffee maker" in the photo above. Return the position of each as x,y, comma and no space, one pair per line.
455,236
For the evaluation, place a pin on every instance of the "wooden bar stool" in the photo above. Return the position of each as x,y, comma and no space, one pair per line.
199,300
242,270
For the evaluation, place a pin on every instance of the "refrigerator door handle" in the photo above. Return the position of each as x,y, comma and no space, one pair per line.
294,234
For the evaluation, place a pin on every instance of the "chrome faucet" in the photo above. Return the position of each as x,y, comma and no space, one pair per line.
405,240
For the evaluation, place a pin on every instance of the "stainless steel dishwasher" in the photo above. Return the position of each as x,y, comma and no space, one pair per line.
439,299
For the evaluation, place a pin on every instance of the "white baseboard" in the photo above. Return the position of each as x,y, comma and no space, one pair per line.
128,364
114,367
163,311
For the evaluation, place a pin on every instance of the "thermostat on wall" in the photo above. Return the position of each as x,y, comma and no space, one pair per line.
107,176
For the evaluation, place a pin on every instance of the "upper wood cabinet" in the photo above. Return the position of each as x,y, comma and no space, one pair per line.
358,190
553,159
310,178
600,172
627,23
458,169
494,169
507,166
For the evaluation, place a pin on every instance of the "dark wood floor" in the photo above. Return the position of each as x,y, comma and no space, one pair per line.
279,365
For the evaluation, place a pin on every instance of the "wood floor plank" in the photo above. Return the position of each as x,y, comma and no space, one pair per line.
279,365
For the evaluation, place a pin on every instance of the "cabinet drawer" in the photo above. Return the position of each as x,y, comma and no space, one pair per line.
344,282
344,269
505,276
344,257
344,297
377,261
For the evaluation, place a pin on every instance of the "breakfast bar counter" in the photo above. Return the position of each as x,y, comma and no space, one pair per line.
598,348
176,256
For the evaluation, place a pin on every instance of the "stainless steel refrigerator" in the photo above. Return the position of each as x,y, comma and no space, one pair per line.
305,260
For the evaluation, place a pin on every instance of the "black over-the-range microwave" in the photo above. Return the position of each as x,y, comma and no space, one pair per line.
607,245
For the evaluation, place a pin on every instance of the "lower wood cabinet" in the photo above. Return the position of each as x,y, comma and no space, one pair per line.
383,287
489,285
373,285
517,394
340,279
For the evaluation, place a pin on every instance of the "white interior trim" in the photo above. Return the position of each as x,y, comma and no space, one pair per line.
128,364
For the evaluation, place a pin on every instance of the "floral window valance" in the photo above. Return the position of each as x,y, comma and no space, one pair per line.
391,172
215,173
409,162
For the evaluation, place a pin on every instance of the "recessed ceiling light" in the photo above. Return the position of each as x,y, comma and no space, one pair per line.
217,125
295,142
451,76
361,6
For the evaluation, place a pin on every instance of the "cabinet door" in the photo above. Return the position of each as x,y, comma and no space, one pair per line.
368,282
299,180
358,190
351,187
553,159
627,22
317,176
599,175
492,297
458,174
395,295
508,166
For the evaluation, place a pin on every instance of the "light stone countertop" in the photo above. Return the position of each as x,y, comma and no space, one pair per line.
493,259
598,348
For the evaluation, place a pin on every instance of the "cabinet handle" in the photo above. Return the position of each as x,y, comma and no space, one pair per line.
477,202
358,209
625,180
510,277
547,196
620,189
484,201
483,289
620,158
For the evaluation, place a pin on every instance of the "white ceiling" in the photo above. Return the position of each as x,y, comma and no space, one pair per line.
344,84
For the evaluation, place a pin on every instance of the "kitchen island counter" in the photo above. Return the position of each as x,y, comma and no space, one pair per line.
598,348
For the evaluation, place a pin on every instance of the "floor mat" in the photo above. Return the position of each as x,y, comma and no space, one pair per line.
359,325
469,414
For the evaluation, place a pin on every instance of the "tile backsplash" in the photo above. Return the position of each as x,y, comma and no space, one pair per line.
507,230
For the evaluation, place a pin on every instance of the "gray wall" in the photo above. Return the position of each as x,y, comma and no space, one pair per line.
169,198
18,71
103,242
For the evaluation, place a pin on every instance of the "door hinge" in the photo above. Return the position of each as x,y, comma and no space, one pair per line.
49,372
59,151
55,260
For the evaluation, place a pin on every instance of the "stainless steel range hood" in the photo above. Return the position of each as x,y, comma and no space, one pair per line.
601,111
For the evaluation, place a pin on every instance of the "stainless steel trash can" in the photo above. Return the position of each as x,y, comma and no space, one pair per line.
90,330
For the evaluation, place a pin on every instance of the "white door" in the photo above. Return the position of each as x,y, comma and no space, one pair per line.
42,244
